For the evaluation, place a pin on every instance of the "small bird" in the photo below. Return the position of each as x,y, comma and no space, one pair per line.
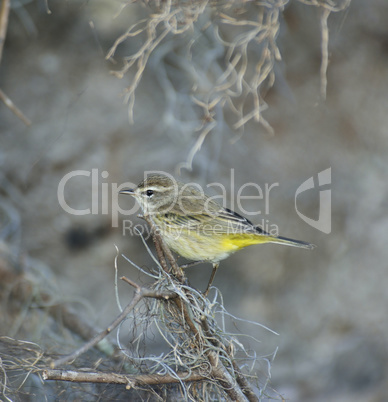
195,226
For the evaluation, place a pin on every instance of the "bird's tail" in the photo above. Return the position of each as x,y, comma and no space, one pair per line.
291,242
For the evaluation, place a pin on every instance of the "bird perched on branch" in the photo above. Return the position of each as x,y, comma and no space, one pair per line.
195,226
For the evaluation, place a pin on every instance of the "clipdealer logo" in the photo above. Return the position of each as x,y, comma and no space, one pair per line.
323,223
105,197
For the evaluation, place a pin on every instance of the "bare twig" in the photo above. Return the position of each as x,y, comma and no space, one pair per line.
332,5
139,294
324,50
326,7
97,338
221,374
153,293
130,381
241,380
4,14
7,101
160,253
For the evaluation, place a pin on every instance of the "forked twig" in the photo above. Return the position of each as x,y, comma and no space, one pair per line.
140,293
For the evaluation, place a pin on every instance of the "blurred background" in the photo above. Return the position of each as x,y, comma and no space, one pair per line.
329,305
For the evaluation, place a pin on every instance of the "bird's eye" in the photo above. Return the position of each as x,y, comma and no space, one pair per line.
149,193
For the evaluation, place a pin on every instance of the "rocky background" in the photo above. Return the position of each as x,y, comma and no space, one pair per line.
329,305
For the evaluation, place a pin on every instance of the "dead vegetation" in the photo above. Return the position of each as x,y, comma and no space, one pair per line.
201,360
226,52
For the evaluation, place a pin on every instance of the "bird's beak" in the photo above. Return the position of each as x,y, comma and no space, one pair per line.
129,191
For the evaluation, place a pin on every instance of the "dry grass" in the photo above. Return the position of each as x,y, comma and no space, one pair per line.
225,52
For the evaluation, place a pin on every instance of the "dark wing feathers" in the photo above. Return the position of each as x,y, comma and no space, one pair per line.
246,225
224,221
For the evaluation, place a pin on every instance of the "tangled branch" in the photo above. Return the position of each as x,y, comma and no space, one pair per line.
201,359
200,351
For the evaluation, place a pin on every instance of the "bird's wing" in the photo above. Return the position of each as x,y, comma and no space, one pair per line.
232,222
221,222
177,221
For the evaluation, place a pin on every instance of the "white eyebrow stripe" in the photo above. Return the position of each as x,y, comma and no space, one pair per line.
155,188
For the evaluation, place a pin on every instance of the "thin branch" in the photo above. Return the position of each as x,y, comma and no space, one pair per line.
129,380
4,14
161,256
241,380
324,50
153,293
7,101
221,374
97,338
139,294
188,164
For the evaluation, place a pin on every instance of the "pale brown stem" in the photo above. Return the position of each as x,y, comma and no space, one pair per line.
130,381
